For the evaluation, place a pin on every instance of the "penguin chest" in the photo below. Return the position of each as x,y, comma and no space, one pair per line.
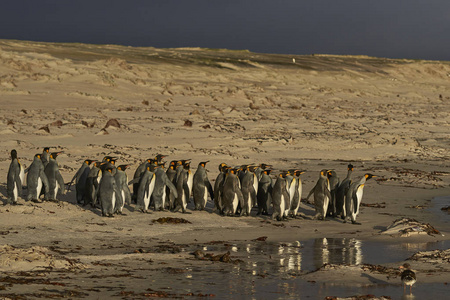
235,202
282,205
359,195
205,196
39,187
113,201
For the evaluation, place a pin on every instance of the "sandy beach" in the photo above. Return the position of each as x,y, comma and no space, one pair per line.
387,117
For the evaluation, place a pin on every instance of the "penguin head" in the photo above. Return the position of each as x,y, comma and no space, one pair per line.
88,161
252,168
265,166
109,169
283,174
187,165
13,154
244,168
172,167
46,149
122,167
203,163
232,170
331,173
173,163
267,171
350,167
159,157
97,164
161,165
38,155
298,173
324,172
368,176
223,167
54,155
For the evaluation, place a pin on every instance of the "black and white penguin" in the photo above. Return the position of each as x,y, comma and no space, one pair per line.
408,276
171,175
280,198
341,192
80,178
333,180
249,192
92,182
322,195
184,181
36,179
162,184
231,193
122,185
264,196
55,180
296,199
108,194
218,185
45,157
201,187
146,186
354,197
15,179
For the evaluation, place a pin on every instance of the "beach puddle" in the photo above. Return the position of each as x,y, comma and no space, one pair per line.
274,270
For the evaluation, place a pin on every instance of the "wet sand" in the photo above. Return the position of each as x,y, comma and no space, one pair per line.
386,117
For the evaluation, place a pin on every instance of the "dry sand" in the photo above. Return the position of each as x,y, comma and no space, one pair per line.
387,117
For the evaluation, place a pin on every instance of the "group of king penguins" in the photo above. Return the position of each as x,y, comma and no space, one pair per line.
237,190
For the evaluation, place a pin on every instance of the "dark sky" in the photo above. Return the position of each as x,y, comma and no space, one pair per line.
417,29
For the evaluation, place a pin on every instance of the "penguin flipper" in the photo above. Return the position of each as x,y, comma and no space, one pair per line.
210,189
135,180
171,186
310,193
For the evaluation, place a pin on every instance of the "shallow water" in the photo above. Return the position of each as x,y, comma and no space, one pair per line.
271,270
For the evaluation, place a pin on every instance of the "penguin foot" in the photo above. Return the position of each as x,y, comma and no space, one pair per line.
187,213
356,223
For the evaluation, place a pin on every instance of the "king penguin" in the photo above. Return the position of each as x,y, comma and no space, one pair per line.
322,195
264,196
122,186
295,203
231,193
218,185
14,179
184,182
333,179
201,187
354,197
341,192
108,195
36,179
162,183
249,188
55,180
145,190
171,175
45,157
280,198
80,178
92,182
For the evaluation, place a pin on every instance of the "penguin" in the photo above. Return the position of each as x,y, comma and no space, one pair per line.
333,179
14,179
122,186
55,180
183,185
259,170
295,202
408,276
280,198
171,175
248,180
354,197
341,192
264,196
146,186
291,186
231,193
92,183
108,195
201,187
36,179
45,157
109,162
162,183
138,173
80,178
322,195
218,184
